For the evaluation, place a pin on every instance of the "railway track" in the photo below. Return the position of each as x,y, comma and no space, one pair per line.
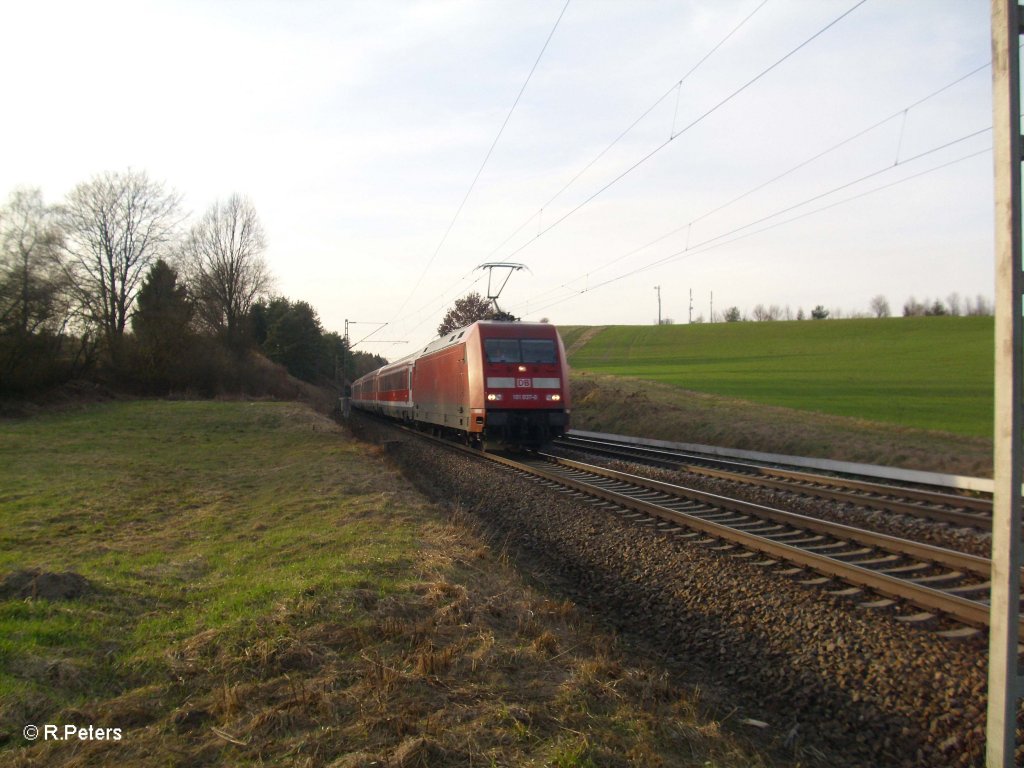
878,570
954,509
938,581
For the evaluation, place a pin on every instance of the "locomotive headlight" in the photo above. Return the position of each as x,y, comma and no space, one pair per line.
494,396
554,398
522,369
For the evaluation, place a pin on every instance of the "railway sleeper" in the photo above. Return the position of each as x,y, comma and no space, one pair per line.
854,553
939,578
875,605
905,568
806,540
827,547
786,538
816,581
750,526
959,633
880,560
847,592
715,517
970,589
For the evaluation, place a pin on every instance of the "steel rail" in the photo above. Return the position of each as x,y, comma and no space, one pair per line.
958,560
969,612
860,492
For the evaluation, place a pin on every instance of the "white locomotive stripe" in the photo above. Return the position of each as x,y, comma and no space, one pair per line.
500,382
547,383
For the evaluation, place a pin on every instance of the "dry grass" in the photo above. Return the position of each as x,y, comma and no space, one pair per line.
437,655
467,667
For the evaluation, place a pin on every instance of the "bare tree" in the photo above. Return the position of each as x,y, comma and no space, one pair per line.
764,314
913,308
116,226
31,280
953,301
981,306
224,257
880,306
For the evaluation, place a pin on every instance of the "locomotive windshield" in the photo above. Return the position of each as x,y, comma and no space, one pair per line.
520,351
538,351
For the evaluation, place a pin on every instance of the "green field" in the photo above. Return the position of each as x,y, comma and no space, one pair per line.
185,518
925,372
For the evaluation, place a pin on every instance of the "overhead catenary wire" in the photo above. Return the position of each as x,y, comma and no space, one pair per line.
672,137
676,87
686,128
757,188
719,241
480,170
709,244
439,304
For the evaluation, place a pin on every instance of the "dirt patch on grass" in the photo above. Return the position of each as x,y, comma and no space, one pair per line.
36,584
627,406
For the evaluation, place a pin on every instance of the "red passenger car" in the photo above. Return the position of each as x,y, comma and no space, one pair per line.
493,383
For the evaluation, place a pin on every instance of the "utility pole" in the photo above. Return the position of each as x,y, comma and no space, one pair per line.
711,315
658,289
690,319
1004,681
347,347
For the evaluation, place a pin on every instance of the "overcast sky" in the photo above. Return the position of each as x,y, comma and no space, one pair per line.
357,128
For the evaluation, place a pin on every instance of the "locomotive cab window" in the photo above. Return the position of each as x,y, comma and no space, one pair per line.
502,350
538,351
520,351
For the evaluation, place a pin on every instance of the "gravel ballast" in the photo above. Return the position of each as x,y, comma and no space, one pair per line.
850,685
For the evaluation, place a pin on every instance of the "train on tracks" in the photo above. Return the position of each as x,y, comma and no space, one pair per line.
491,384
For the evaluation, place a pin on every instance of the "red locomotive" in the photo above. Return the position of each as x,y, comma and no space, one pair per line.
491,383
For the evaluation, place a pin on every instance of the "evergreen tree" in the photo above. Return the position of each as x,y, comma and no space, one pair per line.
162,326
294,338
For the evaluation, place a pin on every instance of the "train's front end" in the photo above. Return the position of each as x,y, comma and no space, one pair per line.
522,385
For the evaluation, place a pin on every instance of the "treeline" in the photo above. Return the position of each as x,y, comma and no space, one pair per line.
879,307
114,285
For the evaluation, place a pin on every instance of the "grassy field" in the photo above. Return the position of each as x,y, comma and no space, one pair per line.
246,584
932,373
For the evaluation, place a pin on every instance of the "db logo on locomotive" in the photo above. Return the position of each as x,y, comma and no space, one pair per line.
524,383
